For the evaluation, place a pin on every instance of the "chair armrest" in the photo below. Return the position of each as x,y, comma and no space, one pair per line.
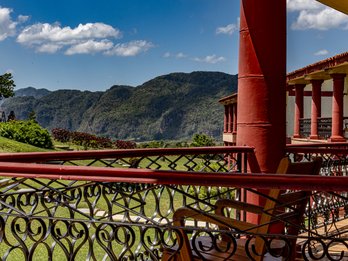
230,203
181,214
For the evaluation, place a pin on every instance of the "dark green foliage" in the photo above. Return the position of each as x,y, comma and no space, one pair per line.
202,140
28,132
169,107
32,116
6,86
153,144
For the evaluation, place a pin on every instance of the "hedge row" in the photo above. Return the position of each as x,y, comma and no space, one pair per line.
90,140
29,132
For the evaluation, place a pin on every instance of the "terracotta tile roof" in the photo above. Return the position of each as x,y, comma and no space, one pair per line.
319,66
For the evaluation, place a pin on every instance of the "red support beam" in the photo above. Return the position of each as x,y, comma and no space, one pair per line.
262,83
234,118
298,109
230,118
337,108
235,180
316,107
226,118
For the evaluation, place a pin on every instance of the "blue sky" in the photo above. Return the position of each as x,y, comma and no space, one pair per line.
92,45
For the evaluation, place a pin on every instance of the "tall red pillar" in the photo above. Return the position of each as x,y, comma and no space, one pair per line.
261,84
230,118
337,107
298,109
226,118
234,127
316,107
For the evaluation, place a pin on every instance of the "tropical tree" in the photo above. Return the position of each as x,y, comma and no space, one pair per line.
202,140
6,86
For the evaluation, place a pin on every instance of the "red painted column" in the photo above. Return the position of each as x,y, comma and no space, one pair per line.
316,107
225,118
261,85
234,128
337,107
230,118
298,109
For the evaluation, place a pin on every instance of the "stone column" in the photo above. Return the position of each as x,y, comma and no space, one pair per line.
298,108
316,107
337,107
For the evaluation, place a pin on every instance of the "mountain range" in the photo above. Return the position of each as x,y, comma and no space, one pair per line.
171,107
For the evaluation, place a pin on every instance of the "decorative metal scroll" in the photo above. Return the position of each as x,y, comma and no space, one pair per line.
60,220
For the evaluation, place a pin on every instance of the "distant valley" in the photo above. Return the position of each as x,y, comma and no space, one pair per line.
171,107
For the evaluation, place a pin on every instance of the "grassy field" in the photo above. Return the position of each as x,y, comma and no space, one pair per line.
8,145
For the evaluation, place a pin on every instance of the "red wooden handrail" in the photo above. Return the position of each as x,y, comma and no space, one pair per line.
99,174
98,154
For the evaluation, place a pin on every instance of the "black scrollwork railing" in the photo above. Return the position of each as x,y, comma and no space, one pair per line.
305,127
50,212
327,211
63,220
324,127
209,159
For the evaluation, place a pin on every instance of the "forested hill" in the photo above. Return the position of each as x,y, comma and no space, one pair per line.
173,106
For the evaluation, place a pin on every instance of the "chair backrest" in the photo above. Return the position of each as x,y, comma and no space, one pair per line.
286,209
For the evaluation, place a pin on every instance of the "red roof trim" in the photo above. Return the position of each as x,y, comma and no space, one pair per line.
319,66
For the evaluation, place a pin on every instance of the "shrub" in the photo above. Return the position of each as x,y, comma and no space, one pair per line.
28,132
61,135
122,144
202,140
89,140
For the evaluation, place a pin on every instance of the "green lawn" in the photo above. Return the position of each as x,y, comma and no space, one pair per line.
8,145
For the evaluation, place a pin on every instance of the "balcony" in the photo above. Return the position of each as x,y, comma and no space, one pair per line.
324,127
119,205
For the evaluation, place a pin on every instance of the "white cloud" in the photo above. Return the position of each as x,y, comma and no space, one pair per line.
313,15
321,52
49,48
23,18
322,20
7,25
83,39
298,5
167,55
180,55
210,59
43,32
228,29
90,46
132,48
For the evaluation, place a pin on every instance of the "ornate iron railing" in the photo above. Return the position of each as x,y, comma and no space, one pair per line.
324,127
327,208
102,212
45,215
305,127
210,159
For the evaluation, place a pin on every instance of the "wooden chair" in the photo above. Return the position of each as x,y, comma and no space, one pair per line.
282,211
